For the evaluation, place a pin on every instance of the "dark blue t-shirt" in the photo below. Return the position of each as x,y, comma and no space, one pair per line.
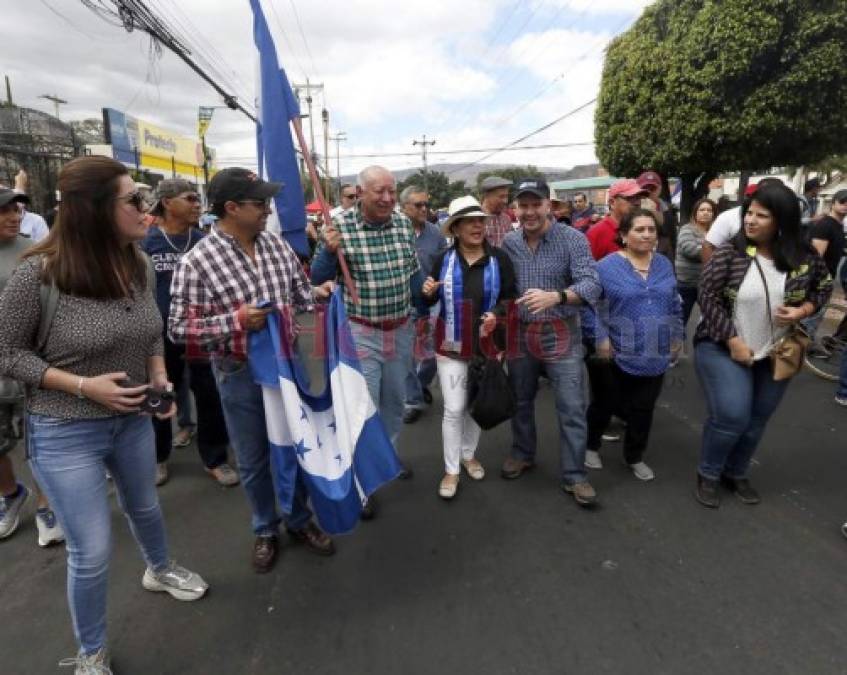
165,256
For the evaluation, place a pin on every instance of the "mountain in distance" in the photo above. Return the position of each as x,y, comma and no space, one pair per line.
459,172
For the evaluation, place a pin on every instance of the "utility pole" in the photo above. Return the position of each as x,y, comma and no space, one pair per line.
424,143
8,93
309,87
340,136
56,102
328,176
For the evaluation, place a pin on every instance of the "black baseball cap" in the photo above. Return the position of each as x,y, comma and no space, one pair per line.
535,186
236,184
8,196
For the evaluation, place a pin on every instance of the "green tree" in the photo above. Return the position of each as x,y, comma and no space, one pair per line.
512,173
441,189
699,87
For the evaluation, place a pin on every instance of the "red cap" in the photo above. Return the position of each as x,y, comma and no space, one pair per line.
626,187
750,190
649,178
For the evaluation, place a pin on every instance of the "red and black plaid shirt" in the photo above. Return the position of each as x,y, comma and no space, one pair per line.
214,279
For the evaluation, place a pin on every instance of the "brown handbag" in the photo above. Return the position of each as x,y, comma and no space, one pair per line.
787,353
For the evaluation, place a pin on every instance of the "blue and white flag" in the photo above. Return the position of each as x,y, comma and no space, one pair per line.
277,158
336,441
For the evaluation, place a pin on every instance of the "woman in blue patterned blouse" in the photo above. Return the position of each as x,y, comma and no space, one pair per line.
637,328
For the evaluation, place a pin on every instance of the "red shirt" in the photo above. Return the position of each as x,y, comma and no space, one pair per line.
603,237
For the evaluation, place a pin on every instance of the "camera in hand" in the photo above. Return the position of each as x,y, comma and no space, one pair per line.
155,400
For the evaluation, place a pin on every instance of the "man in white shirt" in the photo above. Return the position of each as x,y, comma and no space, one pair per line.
33,225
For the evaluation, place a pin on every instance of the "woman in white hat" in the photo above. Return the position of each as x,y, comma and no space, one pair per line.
475,284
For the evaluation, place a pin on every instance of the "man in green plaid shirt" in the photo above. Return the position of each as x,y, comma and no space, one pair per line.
379,246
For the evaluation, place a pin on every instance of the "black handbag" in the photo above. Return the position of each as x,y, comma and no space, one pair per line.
490,396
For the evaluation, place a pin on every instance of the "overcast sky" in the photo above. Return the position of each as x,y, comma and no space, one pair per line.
468,73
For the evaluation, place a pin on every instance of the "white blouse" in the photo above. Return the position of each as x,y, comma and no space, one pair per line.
751,314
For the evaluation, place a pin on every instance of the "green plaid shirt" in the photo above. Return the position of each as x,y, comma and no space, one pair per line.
381,259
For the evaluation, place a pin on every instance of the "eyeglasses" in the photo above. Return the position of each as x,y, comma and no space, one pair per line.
350,196
420,205
193,199
135,199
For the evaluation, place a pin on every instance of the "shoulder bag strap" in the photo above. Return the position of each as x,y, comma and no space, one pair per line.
767,297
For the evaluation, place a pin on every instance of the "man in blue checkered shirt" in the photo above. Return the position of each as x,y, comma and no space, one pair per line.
556,275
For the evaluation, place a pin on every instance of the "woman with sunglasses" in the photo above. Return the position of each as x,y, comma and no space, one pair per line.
86,384
752,290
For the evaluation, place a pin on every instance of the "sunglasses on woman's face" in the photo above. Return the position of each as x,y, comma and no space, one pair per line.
135,199
193,199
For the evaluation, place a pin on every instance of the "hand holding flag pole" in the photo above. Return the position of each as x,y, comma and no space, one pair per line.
319,195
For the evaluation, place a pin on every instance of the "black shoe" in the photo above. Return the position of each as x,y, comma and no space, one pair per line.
368,509
427,396
405,473
707,492
412,415
742,489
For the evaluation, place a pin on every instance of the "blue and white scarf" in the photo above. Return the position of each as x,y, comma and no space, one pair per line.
453,301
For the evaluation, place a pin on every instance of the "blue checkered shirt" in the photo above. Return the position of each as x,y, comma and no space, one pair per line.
562,261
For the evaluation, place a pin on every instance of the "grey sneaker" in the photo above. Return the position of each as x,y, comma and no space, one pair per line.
224,474
593,460
10,511
97,663
161,473
181,583
642,471
49,530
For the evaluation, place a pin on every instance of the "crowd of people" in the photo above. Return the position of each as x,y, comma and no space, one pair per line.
119,318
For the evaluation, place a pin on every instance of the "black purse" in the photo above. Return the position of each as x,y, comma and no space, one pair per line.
490,395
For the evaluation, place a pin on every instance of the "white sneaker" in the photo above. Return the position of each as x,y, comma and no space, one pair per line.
448,486
611,437
592,460
49,530
10,511
642,471
181,583
161,473
97,663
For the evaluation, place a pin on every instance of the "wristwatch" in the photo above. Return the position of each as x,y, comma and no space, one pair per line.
563,297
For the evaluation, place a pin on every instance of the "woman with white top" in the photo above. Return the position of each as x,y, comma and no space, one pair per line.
768,260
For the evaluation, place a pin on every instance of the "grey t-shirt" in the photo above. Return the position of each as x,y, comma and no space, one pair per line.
10,256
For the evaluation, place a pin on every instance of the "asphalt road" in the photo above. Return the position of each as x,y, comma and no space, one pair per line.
511,577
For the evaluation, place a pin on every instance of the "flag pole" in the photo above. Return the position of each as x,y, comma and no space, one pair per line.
319,195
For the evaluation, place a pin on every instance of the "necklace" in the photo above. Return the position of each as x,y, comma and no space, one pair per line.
639,269
171,244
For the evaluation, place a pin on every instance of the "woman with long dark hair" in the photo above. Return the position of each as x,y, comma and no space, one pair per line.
87,381
752,291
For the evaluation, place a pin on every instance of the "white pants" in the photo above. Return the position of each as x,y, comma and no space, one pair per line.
461,433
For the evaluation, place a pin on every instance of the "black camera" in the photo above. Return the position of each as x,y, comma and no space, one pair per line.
155,400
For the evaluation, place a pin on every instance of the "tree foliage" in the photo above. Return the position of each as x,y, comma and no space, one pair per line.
698,87
439,186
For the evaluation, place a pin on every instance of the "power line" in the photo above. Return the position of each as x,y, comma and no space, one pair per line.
303,36
529,135
545,146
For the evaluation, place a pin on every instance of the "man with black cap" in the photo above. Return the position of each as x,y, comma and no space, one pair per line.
14,495
494,197
177,210
555,276
215,290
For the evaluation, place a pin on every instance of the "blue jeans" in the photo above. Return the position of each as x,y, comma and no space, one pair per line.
424,367
244,412
842,380
69,459
740,401
566,375
386,358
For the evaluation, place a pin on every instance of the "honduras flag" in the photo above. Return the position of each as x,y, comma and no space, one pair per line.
276,106
336,440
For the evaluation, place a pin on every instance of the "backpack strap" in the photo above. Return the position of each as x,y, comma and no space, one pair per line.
49,301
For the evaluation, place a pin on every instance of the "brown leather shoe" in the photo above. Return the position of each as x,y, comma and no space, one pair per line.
265,552
515,468
316,540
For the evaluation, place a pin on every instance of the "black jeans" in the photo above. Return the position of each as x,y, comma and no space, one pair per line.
689,299
212,437
630,397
